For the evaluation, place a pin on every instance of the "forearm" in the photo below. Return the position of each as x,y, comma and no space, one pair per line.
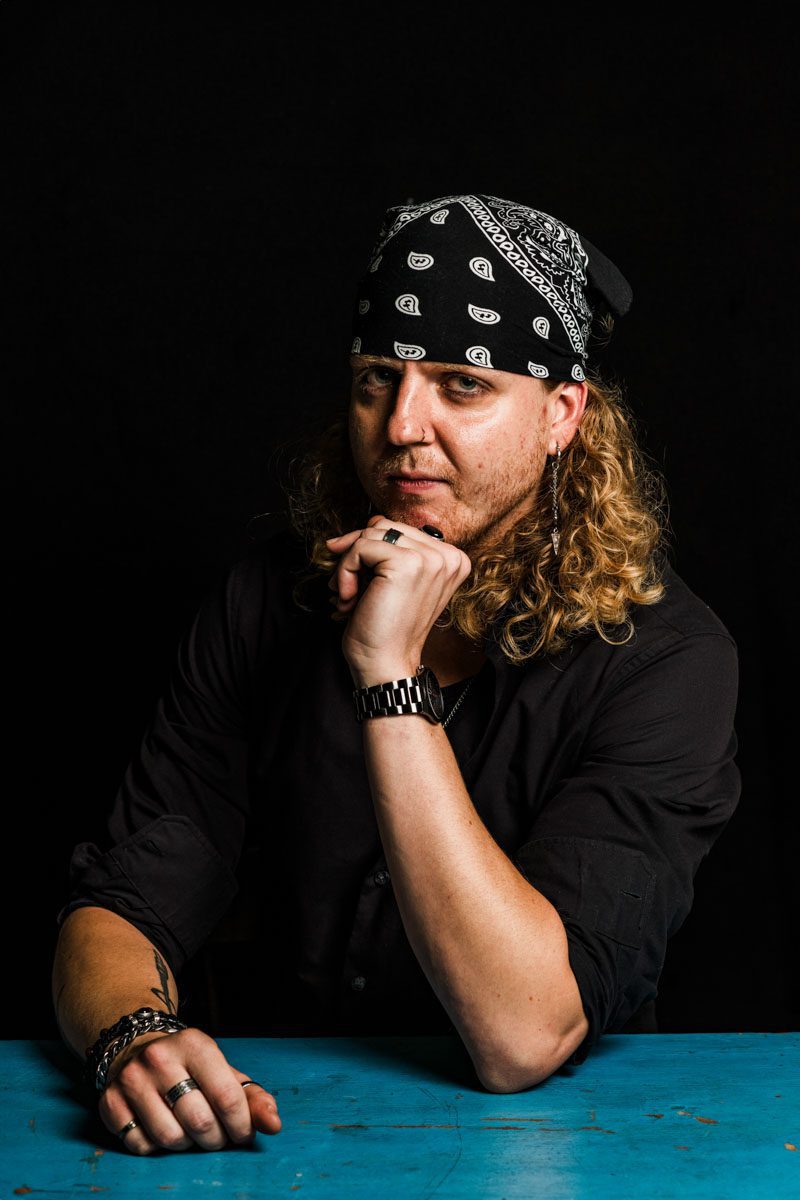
493,948
104,968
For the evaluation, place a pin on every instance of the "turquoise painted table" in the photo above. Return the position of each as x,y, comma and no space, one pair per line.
667,1115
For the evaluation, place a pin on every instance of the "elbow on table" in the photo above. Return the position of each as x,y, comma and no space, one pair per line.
517,1071
505,1077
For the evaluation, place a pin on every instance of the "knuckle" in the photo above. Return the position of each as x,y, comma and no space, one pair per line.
217,1144
241,1139
193,1038
126,1069
229,1099
141,1147
129,1077
155,1054
203,1124
208,1134
173,1140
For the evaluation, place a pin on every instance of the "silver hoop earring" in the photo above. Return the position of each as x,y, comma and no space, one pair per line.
556,463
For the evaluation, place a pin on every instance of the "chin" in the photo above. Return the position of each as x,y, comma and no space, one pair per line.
416,512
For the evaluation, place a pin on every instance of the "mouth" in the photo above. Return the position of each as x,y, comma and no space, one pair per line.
407,483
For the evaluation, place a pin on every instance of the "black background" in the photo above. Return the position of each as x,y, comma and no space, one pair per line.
193,192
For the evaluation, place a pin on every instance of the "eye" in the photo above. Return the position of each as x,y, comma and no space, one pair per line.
464,385
376,379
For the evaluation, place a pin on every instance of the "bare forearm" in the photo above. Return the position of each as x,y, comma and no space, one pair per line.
103,968
493,948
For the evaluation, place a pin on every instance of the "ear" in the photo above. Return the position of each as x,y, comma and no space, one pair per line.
566,405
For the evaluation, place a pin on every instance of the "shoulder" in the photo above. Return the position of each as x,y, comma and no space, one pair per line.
677,675
680,627
679,613
684,633
676,655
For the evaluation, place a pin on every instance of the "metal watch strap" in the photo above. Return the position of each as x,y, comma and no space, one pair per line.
394,698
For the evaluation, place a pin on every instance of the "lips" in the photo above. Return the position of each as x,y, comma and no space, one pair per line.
403,484
418,475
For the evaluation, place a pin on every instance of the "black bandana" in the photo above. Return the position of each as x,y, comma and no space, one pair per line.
475,279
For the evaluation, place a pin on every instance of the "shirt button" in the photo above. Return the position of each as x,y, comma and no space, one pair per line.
381,878
358,983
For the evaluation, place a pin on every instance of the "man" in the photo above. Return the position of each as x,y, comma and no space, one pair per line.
480,793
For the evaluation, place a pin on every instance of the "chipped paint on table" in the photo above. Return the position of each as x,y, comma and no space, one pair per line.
658,1115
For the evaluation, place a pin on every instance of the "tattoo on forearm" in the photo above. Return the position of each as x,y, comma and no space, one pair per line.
163,991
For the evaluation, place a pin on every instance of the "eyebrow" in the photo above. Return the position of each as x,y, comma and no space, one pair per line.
383,360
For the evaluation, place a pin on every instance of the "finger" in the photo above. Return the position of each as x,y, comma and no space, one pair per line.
340,545
161,1125
197,1117
408,531
382,522
353,573
455,558
231,1102
147,1079
368,555
116,1113
263,1105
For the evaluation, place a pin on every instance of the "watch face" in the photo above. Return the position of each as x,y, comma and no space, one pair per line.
435,697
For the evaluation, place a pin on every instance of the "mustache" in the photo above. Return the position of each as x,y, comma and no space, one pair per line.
430,472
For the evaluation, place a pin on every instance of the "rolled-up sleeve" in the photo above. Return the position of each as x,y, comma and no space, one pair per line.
617,843
177,825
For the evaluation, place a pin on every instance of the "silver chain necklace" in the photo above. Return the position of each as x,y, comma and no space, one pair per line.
458,701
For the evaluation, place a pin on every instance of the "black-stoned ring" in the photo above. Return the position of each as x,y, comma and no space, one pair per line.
127,1128
392,535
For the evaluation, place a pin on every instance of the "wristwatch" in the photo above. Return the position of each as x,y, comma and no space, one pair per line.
418,693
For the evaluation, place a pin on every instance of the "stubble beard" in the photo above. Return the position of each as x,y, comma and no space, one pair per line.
477,536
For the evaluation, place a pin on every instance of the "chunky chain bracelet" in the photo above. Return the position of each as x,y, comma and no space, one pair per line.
113,1041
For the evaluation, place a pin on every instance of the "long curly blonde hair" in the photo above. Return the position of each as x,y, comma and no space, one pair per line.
612,527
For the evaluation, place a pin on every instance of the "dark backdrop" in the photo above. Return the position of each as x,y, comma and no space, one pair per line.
193,192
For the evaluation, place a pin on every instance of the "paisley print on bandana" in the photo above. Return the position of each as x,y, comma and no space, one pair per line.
525,277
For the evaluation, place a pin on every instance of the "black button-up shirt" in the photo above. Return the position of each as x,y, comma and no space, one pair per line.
605,773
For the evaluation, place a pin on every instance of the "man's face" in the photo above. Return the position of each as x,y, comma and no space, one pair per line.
483,434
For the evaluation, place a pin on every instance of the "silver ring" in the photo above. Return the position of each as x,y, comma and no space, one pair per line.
248,1082
127,1128
392,535
180,1089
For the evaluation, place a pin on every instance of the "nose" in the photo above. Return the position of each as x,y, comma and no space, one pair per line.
410,417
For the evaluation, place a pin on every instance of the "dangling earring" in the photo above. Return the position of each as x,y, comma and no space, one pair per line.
554,493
